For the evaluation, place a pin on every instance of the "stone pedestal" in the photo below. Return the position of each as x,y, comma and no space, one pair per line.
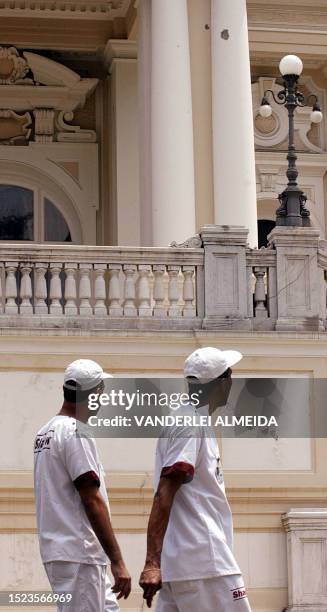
226,305
300,280
307,559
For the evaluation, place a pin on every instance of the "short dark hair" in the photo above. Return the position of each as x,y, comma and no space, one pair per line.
73,392
207,387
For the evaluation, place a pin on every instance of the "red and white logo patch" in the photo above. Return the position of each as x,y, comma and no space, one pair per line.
239,593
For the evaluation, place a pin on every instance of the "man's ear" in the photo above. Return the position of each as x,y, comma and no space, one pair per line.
222,392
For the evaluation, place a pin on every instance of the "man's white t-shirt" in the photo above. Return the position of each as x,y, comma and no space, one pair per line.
61,459
199,538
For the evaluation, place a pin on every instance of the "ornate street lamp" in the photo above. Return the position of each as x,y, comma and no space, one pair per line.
292,210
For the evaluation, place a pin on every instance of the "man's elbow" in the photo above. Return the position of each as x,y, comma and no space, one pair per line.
167,489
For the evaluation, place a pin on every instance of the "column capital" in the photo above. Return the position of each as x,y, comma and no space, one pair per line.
119,50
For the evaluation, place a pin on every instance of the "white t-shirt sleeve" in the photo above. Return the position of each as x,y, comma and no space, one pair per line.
80,458
180,454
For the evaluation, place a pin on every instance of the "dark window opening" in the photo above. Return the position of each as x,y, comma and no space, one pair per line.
264,228
16,213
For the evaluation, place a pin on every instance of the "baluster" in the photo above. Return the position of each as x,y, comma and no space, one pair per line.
85,290
272,292
115,309
70,289
100,308
1,291
260,293
11,288
129,303
55,289
26,290
160,310
174,309
144,294
250,288
41,294
188,292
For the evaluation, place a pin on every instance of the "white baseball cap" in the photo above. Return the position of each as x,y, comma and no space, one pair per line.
208,363
87,373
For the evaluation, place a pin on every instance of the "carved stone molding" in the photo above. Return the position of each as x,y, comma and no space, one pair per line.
44,125
195,242
13,68
53,94
71,133
14,128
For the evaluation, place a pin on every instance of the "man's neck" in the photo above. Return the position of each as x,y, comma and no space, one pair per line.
68,409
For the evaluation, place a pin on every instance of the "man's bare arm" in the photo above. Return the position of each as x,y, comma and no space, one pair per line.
150,579
98,515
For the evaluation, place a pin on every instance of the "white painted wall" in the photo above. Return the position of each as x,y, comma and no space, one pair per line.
30,399
21,566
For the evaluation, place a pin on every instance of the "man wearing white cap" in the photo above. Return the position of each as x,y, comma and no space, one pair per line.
190,533
73,517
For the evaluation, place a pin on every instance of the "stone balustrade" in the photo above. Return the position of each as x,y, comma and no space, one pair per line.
76,284
213,281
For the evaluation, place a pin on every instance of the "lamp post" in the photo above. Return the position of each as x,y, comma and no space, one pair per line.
292,210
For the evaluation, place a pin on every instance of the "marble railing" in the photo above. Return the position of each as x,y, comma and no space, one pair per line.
100,283
213,281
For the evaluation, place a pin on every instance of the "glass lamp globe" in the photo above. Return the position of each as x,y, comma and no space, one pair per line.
265,110
291,64
316,116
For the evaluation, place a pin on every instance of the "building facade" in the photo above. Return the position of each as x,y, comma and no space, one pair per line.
136,176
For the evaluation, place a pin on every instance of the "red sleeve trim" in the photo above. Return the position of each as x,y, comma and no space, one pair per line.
87,478
179,467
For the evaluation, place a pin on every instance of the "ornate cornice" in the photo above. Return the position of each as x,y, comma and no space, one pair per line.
257,8
287,16
277,27
65,9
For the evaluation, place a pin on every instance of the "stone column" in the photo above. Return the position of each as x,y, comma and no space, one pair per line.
233,137
307,559
144,60
173,199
